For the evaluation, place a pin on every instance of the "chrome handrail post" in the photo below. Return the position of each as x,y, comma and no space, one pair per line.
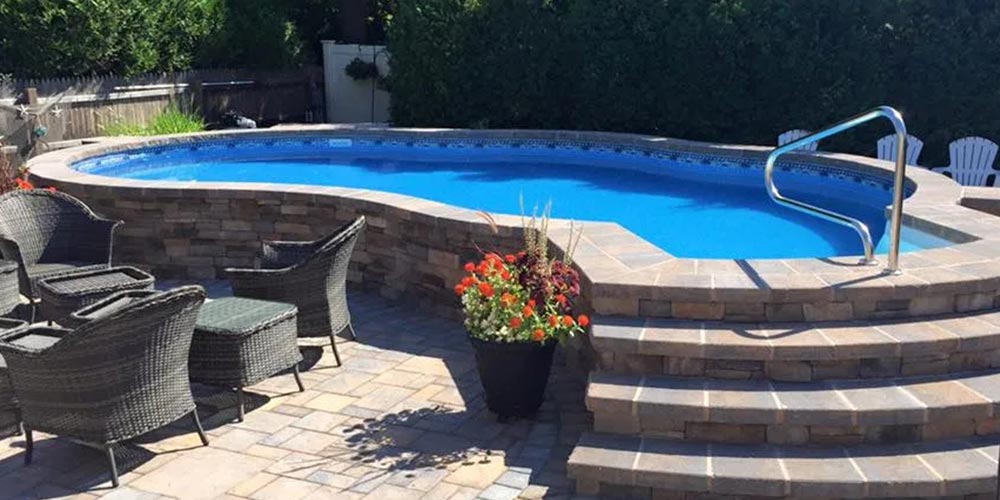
896,223
861,228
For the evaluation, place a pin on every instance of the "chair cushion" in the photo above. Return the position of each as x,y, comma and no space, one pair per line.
240,316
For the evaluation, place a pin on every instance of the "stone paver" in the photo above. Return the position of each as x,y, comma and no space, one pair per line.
403,418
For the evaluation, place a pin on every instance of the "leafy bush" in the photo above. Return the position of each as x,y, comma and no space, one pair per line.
41,39
76,37
171,121
716,70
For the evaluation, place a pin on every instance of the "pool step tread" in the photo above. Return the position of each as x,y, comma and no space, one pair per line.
846,403
968,332
943,468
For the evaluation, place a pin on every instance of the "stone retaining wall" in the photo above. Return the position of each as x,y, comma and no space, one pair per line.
196,234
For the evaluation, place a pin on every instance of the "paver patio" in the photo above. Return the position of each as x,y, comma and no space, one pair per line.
403,418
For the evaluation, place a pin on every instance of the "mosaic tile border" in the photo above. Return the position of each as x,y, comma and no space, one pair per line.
877,180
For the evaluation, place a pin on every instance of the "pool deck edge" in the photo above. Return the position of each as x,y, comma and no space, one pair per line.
624,274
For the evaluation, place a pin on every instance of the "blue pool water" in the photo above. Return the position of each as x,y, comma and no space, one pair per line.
689,206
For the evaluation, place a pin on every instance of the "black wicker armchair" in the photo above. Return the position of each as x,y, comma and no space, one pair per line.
50,233
112,379
311,275
10,296
10,301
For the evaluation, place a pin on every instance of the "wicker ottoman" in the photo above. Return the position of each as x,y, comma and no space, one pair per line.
10,417
62,295
239,342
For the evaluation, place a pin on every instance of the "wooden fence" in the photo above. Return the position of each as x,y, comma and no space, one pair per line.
84,107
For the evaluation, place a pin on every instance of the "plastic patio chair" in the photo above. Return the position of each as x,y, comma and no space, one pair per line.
887,148
971,161
794,135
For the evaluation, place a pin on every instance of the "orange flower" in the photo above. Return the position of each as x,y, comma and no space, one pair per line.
567,320
515,322
527,311
553,321
510,258
561,299
469,267
505,274
538,335
532,303
459,289
486,289
507,299
23,184
583,320
468,281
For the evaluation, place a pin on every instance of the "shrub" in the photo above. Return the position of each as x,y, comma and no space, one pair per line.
42,39
77,37
716,70
170,121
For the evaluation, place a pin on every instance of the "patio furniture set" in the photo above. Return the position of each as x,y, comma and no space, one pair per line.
115,357
971,157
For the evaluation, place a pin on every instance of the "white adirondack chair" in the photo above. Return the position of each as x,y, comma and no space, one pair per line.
971,161
794,135
887,148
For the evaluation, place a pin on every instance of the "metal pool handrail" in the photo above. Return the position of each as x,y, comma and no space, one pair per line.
897,194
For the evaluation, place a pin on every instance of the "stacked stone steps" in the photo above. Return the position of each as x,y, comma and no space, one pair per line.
798,352
841,412
886,408
641,467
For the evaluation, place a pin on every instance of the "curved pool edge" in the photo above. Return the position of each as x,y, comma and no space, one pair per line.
205,227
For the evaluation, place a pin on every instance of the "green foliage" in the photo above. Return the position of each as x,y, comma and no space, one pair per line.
48,38
170,121
76,37
361,70
716,70
253,34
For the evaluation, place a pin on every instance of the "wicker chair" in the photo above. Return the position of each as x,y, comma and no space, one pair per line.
311,275
112,379
10,296
50,233
10,415
10,300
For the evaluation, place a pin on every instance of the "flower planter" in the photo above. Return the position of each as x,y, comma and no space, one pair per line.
514,375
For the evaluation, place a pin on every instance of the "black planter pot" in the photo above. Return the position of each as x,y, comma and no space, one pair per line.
514,375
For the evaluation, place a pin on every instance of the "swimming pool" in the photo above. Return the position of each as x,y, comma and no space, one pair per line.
688,204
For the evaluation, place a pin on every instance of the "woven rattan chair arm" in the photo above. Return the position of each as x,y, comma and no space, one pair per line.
7,348
12,332
343,235
10,251
235,273
280,254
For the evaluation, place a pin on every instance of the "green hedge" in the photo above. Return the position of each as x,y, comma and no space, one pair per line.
716,70
73,37
51,38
